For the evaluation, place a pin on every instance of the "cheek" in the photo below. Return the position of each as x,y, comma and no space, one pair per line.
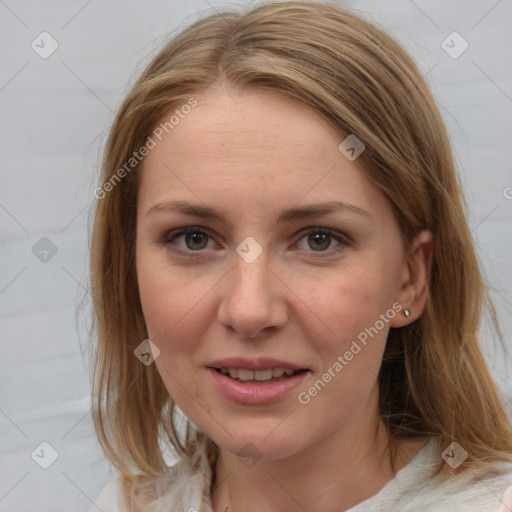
167,307
167,297
350,351
176,316
348,325
344,305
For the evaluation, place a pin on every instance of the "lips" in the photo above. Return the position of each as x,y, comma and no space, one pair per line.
259,363
247,375
256,370
256,381
256,393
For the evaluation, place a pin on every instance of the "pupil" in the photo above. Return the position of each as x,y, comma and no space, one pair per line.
320,238
195,238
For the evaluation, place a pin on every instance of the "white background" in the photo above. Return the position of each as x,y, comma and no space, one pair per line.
55,114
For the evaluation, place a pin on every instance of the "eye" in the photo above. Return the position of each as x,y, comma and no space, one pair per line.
187,240
193,241
322,240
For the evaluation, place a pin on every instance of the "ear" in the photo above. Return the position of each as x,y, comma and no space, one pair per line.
415,278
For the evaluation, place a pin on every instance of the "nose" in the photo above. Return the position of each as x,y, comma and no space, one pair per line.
253,299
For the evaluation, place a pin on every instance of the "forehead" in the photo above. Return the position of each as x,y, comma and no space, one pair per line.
253,143
233,124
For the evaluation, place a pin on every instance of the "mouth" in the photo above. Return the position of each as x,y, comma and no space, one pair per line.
264,376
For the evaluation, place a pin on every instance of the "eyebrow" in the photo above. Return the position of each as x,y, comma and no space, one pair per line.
285,215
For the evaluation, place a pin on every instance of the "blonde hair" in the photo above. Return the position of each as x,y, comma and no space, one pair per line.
434,379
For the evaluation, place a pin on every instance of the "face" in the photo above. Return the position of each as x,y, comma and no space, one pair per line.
261,247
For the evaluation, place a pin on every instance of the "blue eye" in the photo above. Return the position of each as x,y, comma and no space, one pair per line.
192,241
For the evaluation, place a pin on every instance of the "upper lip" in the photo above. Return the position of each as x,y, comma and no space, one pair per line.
259,363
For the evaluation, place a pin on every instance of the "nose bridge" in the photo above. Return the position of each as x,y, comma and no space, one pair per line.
251,302
250,276
250,285
250,265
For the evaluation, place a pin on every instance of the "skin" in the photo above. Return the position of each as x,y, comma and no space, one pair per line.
250,154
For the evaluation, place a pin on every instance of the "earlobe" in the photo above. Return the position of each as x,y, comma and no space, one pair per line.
412,294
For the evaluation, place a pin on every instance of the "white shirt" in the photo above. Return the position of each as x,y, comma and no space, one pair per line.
413,489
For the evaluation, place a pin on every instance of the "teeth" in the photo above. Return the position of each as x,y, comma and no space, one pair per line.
263,374
244,374
259,375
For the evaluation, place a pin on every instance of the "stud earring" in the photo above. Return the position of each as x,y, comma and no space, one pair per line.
407,313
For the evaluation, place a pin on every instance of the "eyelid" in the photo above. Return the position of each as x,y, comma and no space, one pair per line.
342,239
166,240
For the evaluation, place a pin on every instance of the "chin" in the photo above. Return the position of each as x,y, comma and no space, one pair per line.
260,446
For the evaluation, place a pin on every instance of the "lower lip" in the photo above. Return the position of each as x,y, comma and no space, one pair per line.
256,394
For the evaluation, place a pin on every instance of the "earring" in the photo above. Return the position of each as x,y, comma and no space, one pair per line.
407,313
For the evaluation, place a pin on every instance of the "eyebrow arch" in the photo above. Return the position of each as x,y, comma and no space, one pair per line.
285,215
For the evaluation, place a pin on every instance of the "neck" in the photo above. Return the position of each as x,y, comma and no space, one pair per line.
341,470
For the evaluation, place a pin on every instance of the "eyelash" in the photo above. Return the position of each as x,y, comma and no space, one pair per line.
168,238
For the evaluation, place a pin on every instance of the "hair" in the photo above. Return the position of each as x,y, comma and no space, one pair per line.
434,379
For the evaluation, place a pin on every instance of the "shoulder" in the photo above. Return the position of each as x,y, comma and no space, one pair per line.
110,498
419,486
184,484
487,494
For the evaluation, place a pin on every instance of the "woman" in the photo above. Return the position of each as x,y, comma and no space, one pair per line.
280,249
